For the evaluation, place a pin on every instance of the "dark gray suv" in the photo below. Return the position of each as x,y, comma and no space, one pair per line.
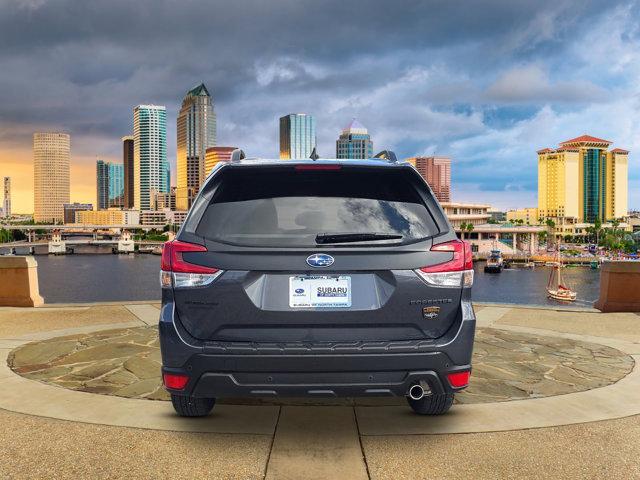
323,278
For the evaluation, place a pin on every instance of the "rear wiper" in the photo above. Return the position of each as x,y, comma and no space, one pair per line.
354,237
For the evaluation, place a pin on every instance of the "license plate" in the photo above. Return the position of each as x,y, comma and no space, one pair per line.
320,291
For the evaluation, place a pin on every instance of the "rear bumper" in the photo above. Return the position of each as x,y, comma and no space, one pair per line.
375,370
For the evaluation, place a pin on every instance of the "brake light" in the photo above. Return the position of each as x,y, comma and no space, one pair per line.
317,167
452,273
175,382
177,271
459,379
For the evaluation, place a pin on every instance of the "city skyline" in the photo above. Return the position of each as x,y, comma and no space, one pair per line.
418,95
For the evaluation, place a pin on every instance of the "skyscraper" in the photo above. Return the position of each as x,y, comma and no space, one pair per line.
51,156
580,181
109,185
437,173
196,131
127,162
354,142
6,205
297,135
151,168
216,155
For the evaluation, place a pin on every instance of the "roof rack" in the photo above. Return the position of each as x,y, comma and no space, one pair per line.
387,155
237,155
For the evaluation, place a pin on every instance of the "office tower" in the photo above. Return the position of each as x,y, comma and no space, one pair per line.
297,135
214,155
164,201
354,142
70,210
196,131
109,185
127,162
102,185
6,205
437,173
151,168
581,181
51,157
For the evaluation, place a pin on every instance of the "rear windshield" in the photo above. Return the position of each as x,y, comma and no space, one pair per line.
285,207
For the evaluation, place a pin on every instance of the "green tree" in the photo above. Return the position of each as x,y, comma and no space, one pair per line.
463,228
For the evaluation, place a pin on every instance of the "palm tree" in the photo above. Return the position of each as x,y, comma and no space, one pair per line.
463,228
550,226
469,227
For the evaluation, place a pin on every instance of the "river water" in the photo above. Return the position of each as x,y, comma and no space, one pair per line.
82,278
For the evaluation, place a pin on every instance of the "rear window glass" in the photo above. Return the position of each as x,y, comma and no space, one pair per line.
285,207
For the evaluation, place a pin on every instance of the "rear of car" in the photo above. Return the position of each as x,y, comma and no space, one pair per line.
316,279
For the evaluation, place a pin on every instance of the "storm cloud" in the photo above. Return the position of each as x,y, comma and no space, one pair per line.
484,82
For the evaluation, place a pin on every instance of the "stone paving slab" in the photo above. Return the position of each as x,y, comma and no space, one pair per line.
507,366
316,443
149,314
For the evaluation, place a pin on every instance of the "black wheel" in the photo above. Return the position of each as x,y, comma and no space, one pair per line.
432,404
191,406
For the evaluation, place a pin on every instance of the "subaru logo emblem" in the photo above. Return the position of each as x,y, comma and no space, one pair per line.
320,260
299,290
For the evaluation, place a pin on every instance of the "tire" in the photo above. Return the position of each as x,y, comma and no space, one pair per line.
192,406
432,404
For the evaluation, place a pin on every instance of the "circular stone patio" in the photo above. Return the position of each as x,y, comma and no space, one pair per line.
506,366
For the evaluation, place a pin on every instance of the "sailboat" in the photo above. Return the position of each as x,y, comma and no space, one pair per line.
556,287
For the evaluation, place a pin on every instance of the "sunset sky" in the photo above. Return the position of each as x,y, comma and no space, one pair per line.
486,83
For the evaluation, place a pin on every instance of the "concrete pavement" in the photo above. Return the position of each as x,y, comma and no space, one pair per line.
320,442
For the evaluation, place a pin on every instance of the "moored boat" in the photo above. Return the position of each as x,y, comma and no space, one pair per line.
495,263
557,288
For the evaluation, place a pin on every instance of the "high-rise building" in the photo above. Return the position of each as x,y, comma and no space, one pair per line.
109,185
581,181
354,142
51,158
216,155
70,210
297,135
150,165
437,173
127,162
196,131
6,204
164,201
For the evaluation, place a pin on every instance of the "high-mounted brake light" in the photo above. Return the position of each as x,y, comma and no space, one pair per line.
177,271
317,167
457,272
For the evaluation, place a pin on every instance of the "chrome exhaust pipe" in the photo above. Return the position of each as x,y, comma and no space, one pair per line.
416,392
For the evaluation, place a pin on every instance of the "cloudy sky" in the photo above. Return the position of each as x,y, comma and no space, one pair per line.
486,83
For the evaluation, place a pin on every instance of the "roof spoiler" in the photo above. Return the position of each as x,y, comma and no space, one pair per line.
387,155
237,155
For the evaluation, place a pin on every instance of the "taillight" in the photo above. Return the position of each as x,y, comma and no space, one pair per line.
175,382
457,272
318,167
177,271
459,379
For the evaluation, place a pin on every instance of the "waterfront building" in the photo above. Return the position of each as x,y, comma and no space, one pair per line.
51,158
111,216
160,218
150,165
354,142
196,131
297,136
215,155
437,173
109,185
6,203
581,181
529,216
162,201
127,162
484,236
70,210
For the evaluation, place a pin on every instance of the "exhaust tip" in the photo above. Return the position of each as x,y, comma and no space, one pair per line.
416,392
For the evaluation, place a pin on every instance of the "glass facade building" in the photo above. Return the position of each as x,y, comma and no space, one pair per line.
354,142
127,162
150,165
297,136
196,131
109,185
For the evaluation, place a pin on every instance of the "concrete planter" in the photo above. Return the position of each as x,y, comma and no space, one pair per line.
19,282
619,287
